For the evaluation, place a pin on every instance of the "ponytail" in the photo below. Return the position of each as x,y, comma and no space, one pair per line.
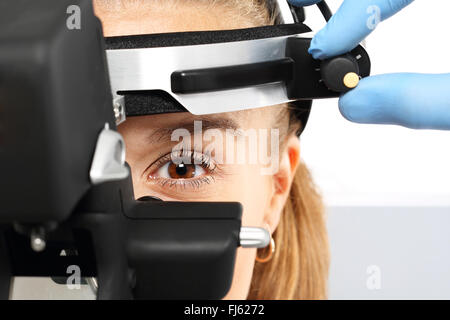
299,266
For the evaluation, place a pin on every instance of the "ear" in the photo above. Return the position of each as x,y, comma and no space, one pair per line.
282,181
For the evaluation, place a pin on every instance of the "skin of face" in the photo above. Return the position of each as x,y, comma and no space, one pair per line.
148,140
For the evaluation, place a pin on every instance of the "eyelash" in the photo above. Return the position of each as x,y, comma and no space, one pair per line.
197,158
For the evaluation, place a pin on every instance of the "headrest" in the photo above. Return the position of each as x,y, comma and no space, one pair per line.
139,103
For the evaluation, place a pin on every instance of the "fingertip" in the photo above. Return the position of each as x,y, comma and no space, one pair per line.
348,107
343,32
316,53
317,49
324,46
369,102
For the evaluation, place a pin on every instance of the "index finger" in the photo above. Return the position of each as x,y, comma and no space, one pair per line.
353,21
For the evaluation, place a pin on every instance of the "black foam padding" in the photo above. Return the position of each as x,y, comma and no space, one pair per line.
202,37
140,103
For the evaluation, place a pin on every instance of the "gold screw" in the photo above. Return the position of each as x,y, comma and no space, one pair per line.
351,80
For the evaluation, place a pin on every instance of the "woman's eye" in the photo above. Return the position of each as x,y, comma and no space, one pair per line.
173,170
181,170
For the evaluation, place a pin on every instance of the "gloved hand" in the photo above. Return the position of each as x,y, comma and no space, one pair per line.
419,101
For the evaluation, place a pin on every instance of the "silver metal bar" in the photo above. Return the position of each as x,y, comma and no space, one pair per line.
251,237
151,68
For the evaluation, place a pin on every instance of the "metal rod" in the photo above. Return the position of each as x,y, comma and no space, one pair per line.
251,237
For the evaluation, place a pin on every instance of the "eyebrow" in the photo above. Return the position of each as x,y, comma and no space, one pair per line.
164,134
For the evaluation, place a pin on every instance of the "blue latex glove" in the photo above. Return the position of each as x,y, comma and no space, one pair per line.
419,101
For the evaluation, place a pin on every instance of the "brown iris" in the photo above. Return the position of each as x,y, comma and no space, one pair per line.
181,171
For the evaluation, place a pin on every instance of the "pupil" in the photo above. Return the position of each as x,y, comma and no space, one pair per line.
181,169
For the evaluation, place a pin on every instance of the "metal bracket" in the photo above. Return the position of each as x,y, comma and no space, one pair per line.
109,158
119,109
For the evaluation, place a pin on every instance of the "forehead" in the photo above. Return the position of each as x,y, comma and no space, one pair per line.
256,118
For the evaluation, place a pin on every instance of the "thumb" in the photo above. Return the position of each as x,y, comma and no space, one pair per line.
418,101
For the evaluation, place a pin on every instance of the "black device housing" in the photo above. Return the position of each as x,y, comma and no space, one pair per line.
54,100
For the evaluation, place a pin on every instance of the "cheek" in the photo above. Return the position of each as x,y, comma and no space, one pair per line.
254,194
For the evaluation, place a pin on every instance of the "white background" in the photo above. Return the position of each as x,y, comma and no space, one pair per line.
385,165
387,188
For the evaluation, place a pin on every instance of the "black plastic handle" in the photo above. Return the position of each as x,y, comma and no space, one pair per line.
232,77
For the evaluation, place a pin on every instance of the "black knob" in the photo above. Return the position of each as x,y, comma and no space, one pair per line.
340,74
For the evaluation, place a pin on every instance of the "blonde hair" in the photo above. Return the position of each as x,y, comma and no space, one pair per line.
299,266
254,11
